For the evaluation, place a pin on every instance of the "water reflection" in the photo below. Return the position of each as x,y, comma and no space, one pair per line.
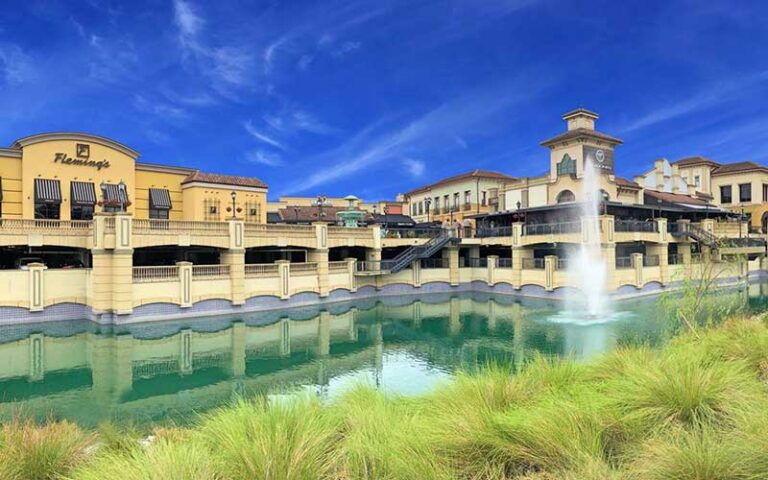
154,372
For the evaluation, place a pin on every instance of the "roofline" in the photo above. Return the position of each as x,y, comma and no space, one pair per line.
470,174
578,111
154,167
751,168
229,186
84,137
10,152
593,134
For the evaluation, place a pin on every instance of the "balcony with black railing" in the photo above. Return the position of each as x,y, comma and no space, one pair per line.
559,228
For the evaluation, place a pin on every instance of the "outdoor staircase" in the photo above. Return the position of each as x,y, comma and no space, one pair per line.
696,233
407,256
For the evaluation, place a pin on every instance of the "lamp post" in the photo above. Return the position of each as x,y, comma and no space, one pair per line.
427,203
321,201
121,194
233,195
605,198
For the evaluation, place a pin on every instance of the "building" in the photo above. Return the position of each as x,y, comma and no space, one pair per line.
458,197
71,176
288,203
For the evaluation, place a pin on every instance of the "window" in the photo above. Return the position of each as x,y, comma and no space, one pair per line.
211,210
765,193
565,196
484,200
745,192
725,194
252,212
413,210
456,200
437,203
158,213
697,181
81,212
47,210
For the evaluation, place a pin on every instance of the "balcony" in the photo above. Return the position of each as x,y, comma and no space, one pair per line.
467,206
533,264
552,228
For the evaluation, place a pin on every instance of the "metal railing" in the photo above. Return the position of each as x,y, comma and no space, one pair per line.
635,226
338,266
651,260
504,263
374,266
357,232
562,264
533,264
467,206
411,232
551,228
435,263
675,259
261,269
61,227
154,274
210,271
141,225
304,268
261,229
623,262
484,232
476,262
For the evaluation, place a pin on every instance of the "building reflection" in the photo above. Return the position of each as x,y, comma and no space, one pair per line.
153,372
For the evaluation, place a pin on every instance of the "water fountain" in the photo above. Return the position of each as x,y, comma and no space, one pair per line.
352,216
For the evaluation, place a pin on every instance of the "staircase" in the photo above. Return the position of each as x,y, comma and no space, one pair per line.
407,256
695,232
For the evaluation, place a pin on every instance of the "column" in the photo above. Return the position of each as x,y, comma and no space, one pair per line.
185,284
185,351
373,254
285,337
238,332
684,252
416,314
111,362
454,315
550,265
492,315
518,254
351,266
452,253
235,259
661,250
284,273
416,273
493,261
36,357
320,257
607,228
324,334
608,251
637,264
36,287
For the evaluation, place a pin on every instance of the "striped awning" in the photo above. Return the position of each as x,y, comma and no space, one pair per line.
83,193
160,199
47,191
113,194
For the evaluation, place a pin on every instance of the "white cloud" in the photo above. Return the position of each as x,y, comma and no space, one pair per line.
160,110
261,136
186,19
294,121
414,167
16,67
264,158
304,62
346,48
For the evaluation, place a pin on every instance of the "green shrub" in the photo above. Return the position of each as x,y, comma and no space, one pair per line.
41,452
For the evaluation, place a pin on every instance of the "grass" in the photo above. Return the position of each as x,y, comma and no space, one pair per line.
695,409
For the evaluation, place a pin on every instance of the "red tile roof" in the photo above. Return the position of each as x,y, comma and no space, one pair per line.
623,182
477,173
675,197
695,160
224,180
738,167
312,214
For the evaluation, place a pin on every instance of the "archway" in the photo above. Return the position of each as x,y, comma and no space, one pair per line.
565,196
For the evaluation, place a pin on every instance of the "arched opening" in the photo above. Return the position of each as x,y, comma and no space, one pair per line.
565,196
764,222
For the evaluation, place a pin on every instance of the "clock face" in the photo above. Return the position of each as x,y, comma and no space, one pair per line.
600,156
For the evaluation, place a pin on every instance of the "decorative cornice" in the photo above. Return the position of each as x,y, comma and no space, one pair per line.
75,136
10,152
223,186
153,167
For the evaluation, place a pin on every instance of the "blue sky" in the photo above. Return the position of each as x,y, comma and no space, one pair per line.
374,97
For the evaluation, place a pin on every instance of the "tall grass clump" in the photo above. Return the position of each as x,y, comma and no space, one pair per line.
281,440
41,452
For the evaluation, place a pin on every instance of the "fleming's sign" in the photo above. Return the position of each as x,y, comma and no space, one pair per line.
82,158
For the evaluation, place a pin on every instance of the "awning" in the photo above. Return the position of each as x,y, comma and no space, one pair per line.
113,194
160,199
47,191
83,193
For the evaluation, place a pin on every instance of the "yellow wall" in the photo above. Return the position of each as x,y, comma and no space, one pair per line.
195,196
10,172
146,179
38,162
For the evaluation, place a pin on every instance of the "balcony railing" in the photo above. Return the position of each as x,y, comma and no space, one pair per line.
650,260
623,262
163,273
61,227
675,259
476,262
304,268
412,232
339,266
484,232
435,263
374,266
349,232
551,228
261,270
467,206
504,263
533,264
562,263
210,271
143,226
260,229
635,226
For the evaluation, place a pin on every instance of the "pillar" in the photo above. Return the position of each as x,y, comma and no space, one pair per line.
492,314
238,332
235,259
518,254
185,351
637,264
493,261
320,257
684,252
285,337
284,274
36,287
36,357
111,359
454,315
416,314
416,273
373,254
661,250
608,251
185,284
452,253
112,270
324,334
550,265
351,266
607,228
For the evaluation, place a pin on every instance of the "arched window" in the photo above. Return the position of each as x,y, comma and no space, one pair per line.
604,196
565,196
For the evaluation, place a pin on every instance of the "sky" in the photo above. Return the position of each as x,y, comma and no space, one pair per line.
376,97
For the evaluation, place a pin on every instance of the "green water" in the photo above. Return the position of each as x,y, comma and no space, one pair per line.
168,371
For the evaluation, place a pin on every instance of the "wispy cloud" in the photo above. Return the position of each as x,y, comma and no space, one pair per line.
367,149
264,158
716,94
414,167
16,67
160,110
261,136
